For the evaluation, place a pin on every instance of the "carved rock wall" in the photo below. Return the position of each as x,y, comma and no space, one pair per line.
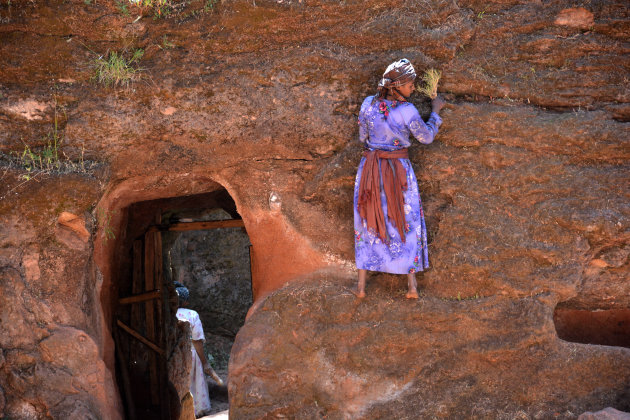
52,352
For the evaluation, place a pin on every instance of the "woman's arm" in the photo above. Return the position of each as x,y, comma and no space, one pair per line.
198,338
424,132
437,104
207,369
198,345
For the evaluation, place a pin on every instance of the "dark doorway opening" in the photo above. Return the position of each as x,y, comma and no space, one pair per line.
606,327
201,241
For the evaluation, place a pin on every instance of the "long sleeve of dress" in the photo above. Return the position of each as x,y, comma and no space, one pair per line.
363,123
424,132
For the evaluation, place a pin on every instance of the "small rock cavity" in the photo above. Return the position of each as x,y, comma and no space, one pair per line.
610,327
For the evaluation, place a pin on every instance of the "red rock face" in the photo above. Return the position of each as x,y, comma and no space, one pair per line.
577,17
52,363
313,350
525,193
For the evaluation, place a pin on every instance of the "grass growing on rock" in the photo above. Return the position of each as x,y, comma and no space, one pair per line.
430,78
166,8
161,8
49,159
104,220
116,70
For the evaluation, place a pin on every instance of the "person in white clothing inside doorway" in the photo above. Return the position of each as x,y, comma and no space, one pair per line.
200,365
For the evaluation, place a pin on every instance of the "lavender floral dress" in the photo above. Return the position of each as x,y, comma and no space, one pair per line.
386,125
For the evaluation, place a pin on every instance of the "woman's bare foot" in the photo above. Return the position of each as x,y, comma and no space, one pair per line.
412,286
358,293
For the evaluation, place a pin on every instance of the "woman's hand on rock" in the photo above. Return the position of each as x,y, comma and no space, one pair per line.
437,103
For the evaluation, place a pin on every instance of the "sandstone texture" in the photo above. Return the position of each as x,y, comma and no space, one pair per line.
526,193
605,414
315,351
52,363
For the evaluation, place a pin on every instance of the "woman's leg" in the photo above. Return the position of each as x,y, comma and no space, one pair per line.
412,293
360,292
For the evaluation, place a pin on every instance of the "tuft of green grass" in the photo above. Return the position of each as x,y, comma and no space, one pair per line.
104,220
115,70
176,8
47,159
166,44
122,7
209,6
461,298
430,78
161,8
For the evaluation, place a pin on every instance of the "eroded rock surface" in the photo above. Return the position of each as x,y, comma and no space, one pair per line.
52,364
606,414
315,351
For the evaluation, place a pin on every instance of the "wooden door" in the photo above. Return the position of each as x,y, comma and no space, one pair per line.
140,333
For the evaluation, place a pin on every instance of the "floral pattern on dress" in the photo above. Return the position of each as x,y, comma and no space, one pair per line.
394,131
395,249
374,262
396,256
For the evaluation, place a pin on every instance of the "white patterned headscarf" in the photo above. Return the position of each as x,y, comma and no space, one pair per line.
398,73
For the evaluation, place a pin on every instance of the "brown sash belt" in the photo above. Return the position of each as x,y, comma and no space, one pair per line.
395,184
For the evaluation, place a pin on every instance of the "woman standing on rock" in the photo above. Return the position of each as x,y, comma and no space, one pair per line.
389,231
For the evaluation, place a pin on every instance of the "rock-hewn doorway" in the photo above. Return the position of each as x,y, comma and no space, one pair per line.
202,243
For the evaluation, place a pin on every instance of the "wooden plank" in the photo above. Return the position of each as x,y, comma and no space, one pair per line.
124,370
136,287
139,337
188,408
158,280
214,224
149,310
151,295
165,409
185,226
136,282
